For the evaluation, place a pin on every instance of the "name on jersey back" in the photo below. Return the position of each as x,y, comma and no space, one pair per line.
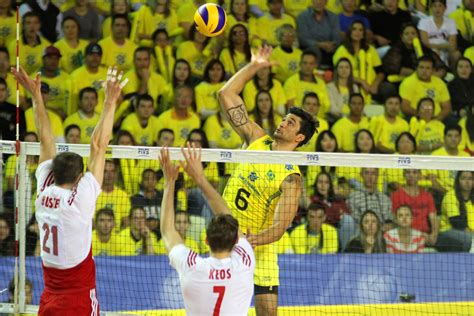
219,274
50,202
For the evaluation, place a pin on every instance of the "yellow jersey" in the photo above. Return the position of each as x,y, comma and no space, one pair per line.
119,201
427,133
131,247
288,63
58,97
232,64
146,22
267,26
284,245
144,135
82,78
86,124
385,132
277,93
466,142
118,55
157,85
72,57
206,98
31,58
446,177
181,127
110,248
306,243
450,207
311,145
464,22
7,29
196,58
345,130
221,134
54,119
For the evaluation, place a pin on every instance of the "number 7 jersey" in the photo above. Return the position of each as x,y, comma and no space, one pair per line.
253,190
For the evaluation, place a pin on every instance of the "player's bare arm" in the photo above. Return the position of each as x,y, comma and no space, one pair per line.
285,212
103,130
193,167
43,126
169,233
233,105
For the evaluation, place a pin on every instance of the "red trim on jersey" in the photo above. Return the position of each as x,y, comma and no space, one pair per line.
72,196
191,258
48,181
246,259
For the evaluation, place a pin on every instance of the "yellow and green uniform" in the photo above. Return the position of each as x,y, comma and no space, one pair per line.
288,63
232,64
180,126
267,26
7,29
118,55
469,54
86,124
31,58
206,97
11,89
446,177
277,93
188,242
295,7
427,133
450,207
413,89
305,242
466,142
119,201
311,145
110,248
157,86
131,247
82,78
72,57
252,194
464,22
222,135
58,96
363,64
266,123
197,59
54,119
385,132
144,135
345,130
296,89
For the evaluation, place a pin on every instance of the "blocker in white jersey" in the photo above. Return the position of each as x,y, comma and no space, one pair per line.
225,285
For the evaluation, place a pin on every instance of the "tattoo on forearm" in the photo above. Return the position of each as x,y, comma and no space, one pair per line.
238,115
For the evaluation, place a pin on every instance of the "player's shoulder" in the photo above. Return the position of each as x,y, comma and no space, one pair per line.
262,143
243,253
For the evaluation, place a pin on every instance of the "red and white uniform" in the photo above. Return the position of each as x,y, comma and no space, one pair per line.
65,222
216,287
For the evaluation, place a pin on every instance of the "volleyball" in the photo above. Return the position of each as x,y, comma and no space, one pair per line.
210,19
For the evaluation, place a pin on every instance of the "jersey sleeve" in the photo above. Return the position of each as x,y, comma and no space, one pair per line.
244,250
44,175
182,258
86,194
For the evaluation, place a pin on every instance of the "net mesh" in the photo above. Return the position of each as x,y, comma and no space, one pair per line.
372,234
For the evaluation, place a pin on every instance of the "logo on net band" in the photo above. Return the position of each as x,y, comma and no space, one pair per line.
312,158
226,155
404,161
63,148
143,152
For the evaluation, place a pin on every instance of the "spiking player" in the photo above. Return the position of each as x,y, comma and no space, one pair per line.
65,206
264,197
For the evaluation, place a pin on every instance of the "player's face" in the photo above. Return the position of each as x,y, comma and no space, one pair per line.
392,107
4,62
357,32
3,93
424,71
466,181
4,229
311,105
70,29
181,224
105,224
408,35
322,184
184,98
149,181
120,29
405,146
88,102
316,218
51,62
264,103
73,136
32,26
215,73
404,217
166,139
343,69
437,9
289,128
452,139
145,109
120,6
142,60
370,224
464,69
239,7
307,65
328,144
426,111
364,142
412,176
356,106
370,175
93,60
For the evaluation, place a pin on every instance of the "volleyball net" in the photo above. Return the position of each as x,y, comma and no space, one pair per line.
372,235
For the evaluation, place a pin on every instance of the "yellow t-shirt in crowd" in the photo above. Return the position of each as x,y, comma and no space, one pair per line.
311,145
58,97
7,29
267,26
446,177
284,245
143,135
232,64
82,78
185,11
450,207
118,55
306,243
54,119
11,89
413,89
469,54
426,134
295,89
72,57
157,85
287,63
345,130
119,201
465,139
181,127
110,248
277,93
31,58
197,59
86,124
262,4
206,98
188,242
146,22
386,133
295,7
464,20
131,247
221,135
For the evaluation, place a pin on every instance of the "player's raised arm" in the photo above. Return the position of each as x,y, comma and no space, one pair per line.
43,126
169,233
103,130
233,105
285,212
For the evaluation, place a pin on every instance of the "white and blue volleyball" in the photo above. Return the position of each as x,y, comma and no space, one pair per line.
210,19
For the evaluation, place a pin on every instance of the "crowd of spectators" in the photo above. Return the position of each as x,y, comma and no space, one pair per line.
391,77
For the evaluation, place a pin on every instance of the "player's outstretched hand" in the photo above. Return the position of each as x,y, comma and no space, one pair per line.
261,57
33,86
193,166
170,170
113,85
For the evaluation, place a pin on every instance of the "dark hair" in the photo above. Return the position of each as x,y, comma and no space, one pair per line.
148,170
350,80
379,246
410,137
121,16
143,97
112,3
308,125
331,192
425,58
355,95
310,94
443,2
3,49
164,130
405,206
208,68
3,82
460,197
158,31
418,105
314,206
184,213
204,142
449,128
141,49
246,14
70,127
319,140
71,18
348,41
22,138
87,90
104,211
462,59
222,233
356,137
189,79
258,114
393,96
67,167
134,209
270,81
121,133
247,52
309,52
29,15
